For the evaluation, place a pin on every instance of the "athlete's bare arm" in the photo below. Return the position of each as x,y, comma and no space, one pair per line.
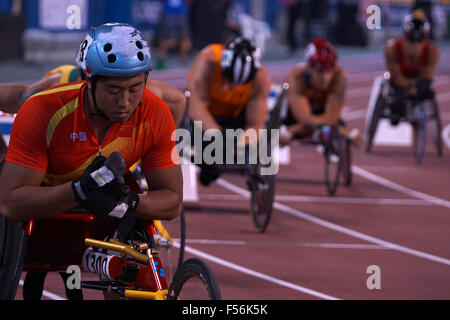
175,99
10,96
336,99
397,77
202,71
13,95
44,83
298,102
165,198
300,106
22,197
430,67
256,108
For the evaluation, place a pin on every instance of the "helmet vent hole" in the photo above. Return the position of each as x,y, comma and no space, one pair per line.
107,47
140,56
139,44
112,58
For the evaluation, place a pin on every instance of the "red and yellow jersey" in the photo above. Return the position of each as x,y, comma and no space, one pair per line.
69,73
225,102
53,135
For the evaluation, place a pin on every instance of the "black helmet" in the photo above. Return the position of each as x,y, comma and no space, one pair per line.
416,26
240,61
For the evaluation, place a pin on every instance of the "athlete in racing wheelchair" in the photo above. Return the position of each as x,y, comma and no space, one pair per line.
411,62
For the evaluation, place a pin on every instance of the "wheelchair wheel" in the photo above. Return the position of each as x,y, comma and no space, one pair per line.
420,132
332,166
262,188
13,246
373,122
170,240
436,126
346,161
194,280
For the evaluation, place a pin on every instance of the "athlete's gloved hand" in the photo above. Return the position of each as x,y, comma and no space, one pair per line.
424,90
102,189
86,184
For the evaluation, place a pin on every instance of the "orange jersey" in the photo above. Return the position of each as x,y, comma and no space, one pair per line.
225,103
52,134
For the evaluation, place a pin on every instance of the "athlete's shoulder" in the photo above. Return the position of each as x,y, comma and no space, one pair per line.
263,75
152,105
49,101
341,73
433,47
60,91
392,43
297,71
211,53
61,68
214,47
154,113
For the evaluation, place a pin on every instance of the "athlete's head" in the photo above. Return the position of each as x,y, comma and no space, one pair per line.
320,55
240,61
416,26
321,59
115,59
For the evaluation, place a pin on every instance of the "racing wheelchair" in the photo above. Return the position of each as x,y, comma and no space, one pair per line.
331,144
336,151
423,115
128,259
260,183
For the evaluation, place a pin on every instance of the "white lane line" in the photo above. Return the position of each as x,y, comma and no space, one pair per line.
446,135
346,246
390,169
337,228
317,199
47,294
218,242
352,115
397,187
257,274
286,244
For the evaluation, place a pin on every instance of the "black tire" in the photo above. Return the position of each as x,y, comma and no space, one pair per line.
194,280
346,161
172,254
373,123
436,125
13,247
420,133
333,153
262,190
262,187
332,171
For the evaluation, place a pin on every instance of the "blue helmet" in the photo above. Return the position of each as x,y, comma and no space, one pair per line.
114,50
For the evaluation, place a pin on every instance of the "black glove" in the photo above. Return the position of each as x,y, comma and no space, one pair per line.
102,189
106,201
86,184
424,90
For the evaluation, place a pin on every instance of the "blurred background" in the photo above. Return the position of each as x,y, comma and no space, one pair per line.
48,32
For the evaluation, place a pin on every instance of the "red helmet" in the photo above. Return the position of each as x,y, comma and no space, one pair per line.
321,55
